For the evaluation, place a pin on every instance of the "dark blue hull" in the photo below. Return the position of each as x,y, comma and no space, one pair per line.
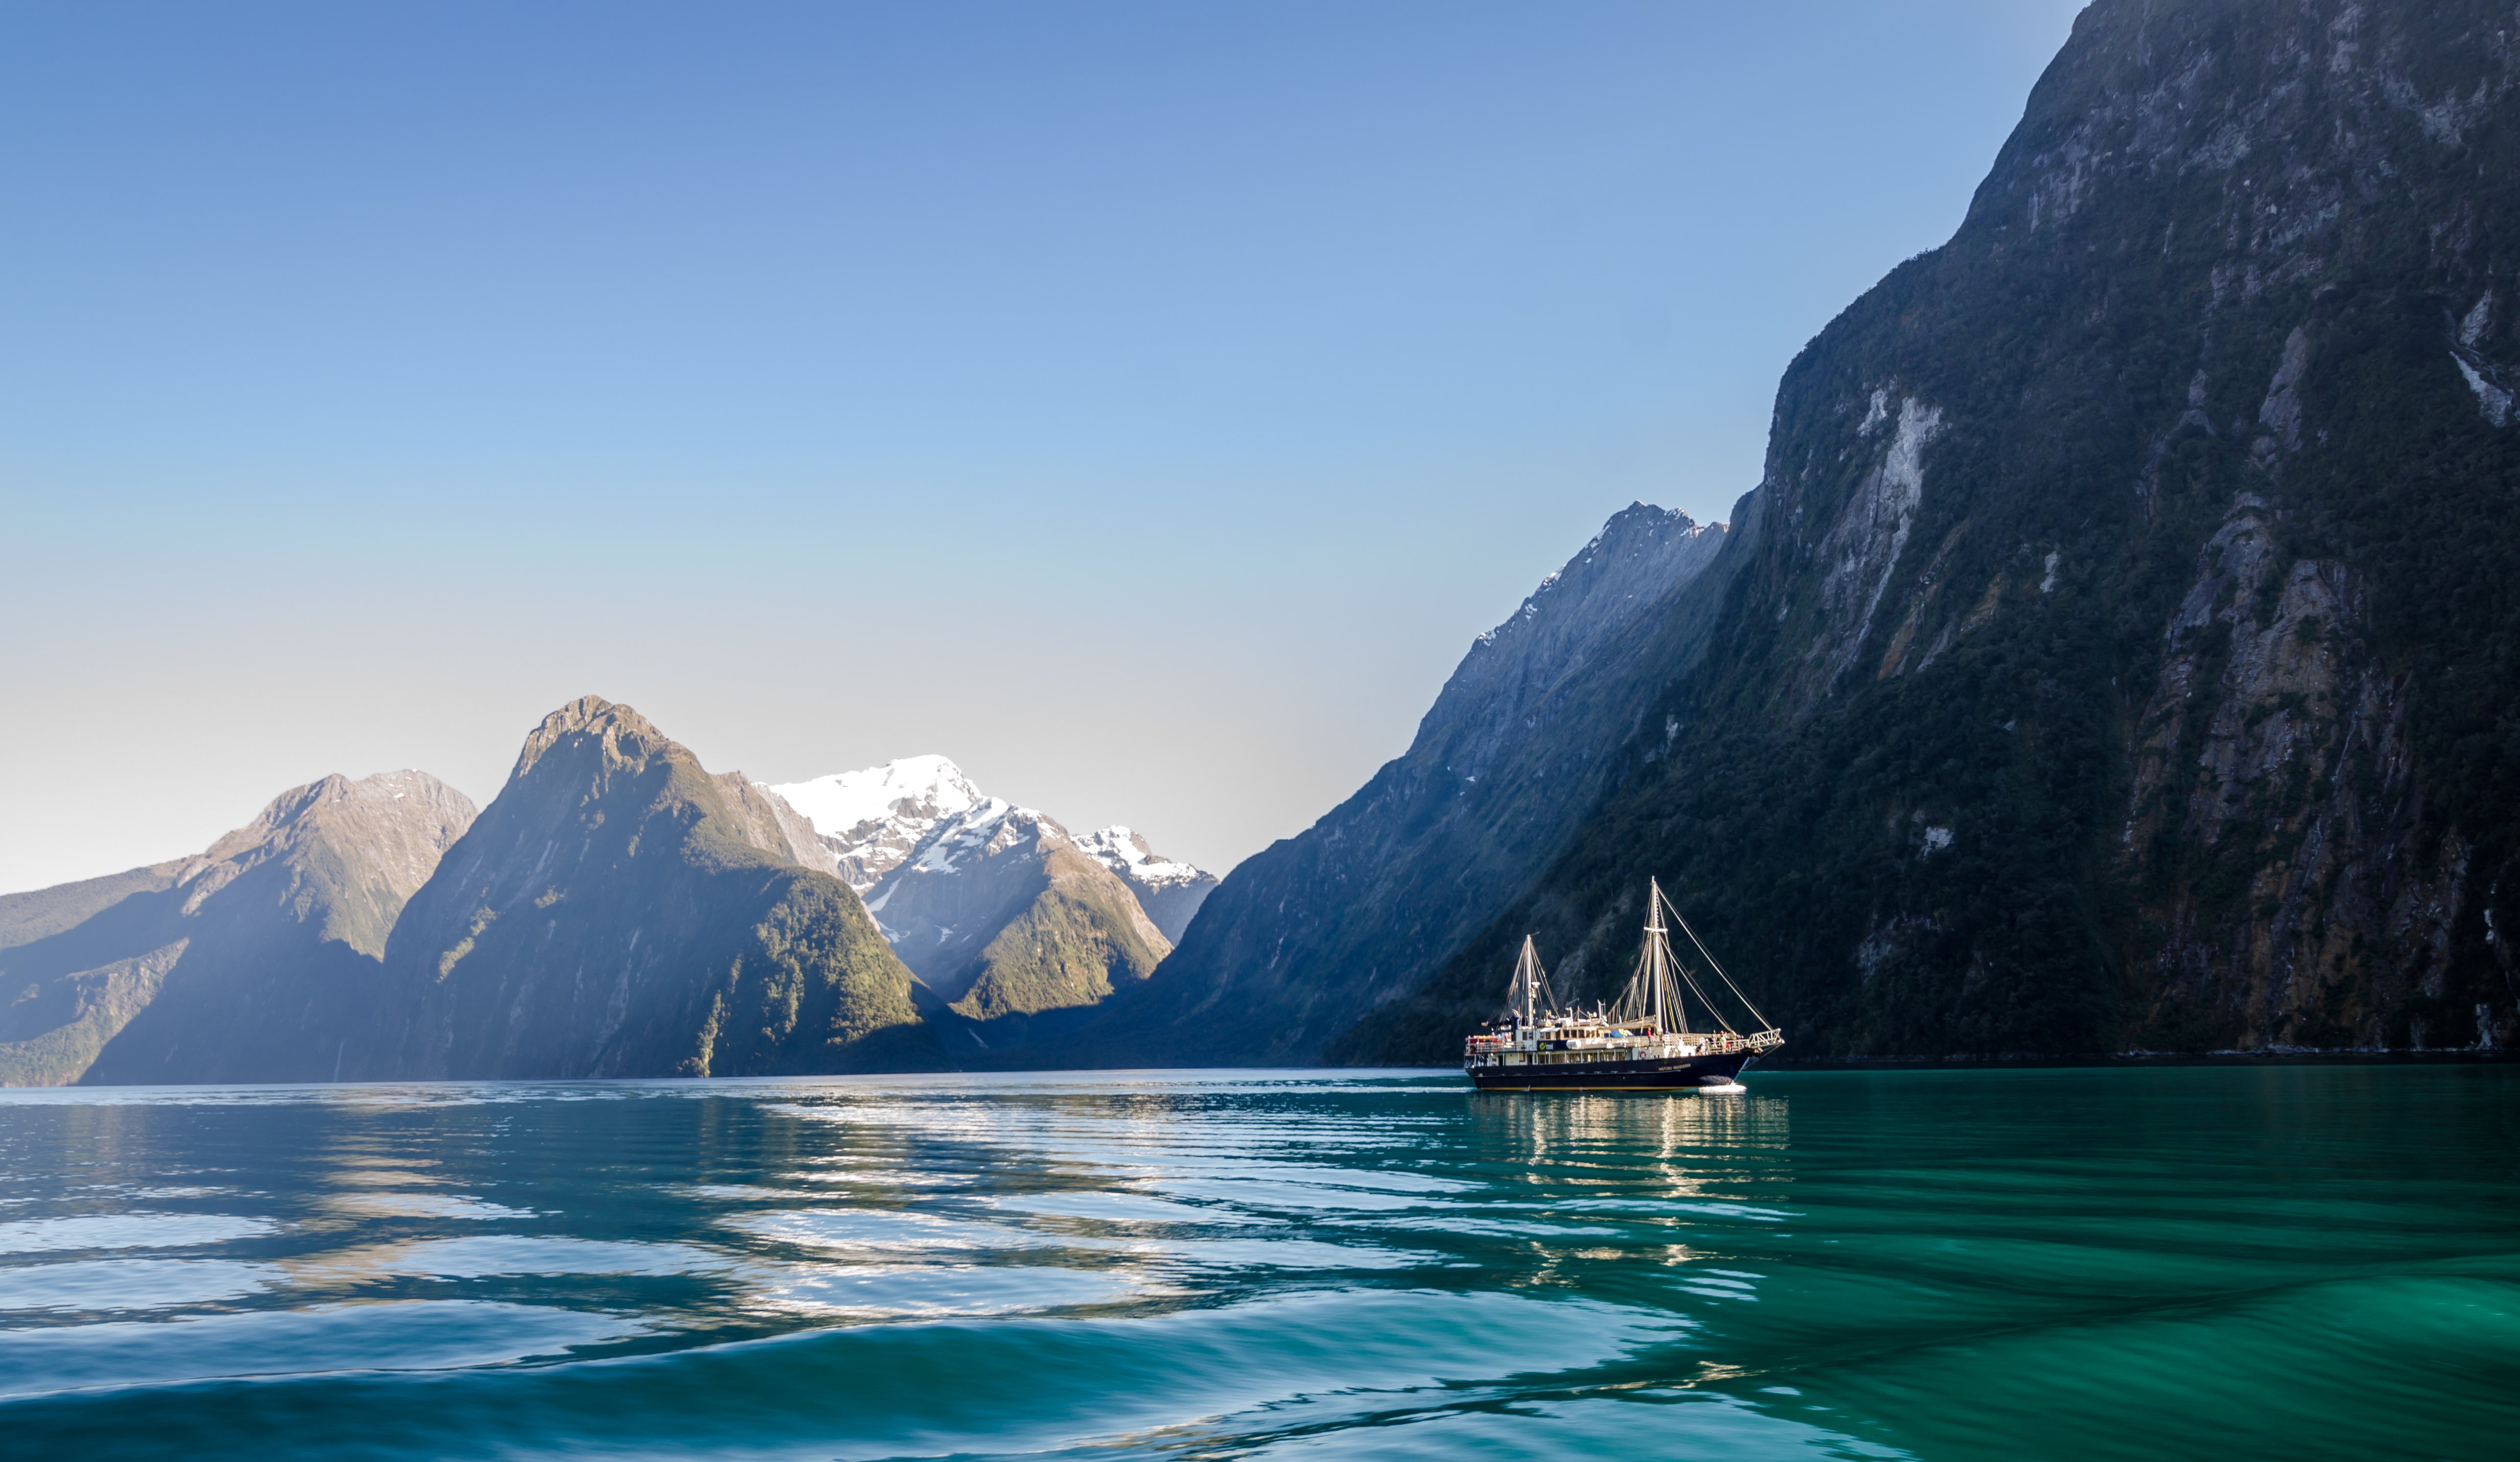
1670,1074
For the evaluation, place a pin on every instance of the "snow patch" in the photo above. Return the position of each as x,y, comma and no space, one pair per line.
874,818
1125,851
844,799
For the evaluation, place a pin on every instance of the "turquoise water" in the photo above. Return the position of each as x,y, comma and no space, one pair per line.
1950,1264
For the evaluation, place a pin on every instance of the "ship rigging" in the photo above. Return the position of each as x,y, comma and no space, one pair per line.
1640,1042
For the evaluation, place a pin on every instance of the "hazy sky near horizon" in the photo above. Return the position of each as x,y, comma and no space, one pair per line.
1143,404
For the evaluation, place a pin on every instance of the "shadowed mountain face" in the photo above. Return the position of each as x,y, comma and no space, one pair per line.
1304,937
2120,650
254,962
618,910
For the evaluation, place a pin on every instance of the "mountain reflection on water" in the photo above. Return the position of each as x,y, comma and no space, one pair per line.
2075,1264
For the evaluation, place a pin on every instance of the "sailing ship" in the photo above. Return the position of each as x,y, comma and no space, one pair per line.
1640,1042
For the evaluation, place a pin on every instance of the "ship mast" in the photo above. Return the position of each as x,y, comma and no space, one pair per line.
1657,951
1530,987
1652,993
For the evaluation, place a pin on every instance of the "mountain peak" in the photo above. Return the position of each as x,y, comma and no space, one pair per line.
1125,851
383,834
624,911
588,716
1640,553
1170,891
873,817
1633,567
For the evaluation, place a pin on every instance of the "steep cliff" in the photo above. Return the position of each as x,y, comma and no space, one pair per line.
1304,936
2120,649
257,960
618,910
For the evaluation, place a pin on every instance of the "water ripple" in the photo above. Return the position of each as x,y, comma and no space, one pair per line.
1962,1266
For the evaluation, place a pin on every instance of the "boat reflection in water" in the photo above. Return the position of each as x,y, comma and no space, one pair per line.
1743,1140
1642,1042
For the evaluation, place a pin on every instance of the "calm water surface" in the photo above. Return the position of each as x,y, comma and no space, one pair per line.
1947,1264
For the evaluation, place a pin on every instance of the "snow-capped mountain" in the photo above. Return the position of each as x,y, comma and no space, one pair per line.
969,876
872,819
997,908
1170,891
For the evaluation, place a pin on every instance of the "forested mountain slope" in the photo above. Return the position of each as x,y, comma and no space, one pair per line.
2123,651
618,910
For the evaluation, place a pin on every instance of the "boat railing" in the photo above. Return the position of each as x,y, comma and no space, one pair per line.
1754,1042
1717,1043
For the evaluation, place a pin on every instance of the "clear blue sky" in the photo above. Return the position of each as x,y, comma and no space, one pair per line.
1143,404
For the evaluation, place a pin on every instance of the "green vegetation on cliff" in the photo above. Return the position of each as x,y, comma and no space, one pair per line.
1083,937
618,910
2120,648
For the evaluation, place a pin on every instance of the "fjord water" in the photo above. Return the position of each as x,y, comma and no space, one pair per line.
1950,1265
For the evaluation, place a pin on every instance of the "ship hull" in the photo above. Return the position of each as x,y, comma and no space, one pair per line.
1670,1074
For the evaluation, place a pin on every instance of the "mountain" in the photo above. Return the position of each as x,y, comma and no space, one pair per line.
872,819
2119,652
249,963
996,908
1363,907
1170,891
618,910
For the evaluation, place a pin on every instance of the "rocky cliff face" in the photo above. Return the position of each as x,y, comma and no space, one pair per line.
2118,650
1361,907
254,962
618,910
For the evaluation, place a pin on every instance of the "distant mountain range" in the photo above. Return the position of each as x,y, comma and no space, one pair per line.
997,909
252,961
2118,652
617,911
